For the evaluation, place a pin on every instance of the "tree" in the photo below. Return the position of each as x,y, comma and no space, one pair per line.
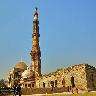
2,83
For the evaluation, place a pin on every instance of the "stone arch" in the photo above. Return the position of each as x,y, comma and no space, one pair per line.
43,85
92,80
72,81
55,83
63,82
52,85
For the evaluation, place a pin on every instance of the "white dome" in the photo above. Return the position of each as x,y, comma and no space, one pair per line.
27,73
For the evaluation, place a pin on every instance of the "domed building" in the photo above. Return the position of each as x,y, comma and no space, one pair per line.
21,74
21,66
14,75
27,73
27,78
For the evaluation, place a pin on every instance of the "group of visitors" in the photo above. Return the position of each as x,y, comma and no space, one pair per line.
17,90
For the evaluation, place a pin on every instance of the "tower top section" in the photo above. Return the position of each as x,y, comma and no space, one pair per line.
35,52
36,14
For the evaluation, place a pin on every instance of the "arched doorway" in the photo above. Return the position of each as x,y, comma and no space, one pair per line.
63,82
55,83
72,82
52,85
43,85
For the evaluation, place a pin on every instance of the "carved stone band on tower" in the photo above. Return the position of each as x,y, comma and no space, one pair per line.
35,52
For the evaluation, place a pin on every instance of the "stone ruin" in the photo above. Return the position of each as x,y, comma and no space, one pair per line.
81,76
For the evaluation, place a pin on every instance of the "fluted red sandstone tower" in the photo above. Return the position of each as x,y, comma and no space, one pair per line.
35,52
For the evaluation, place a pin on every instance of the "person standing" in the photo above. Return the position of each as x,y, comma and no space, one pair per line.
14,89
19,90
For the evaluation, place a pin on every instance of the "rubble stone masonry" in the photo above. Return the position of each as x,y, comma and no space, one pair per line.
81,76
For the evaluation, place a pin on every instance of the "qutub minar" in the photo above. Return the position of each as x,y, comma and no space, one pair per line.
36,53
81,76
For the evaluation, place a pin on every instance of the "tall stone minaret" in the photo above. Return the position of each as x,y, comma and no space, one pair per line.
35,52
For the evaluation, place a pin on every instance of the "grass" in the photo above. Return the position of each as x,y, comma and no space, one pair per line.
61,94
79,94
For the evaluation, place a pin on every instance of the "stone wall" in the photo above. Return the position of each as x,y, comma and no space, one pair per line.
78,74
69,77
91,77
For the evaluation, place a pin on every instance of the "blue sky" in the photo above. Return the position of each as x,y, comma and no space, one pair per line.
67,29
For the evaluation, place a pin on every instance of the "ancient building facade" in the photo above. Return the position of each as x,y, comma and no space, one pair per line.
91,77
28,79
81,76
14,74
28,75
